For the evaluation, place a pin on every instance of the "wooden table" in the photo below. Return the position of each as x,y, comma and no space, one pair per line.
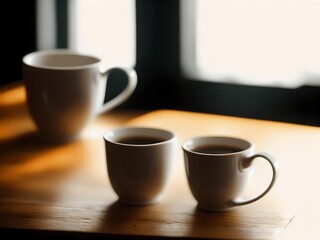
59,191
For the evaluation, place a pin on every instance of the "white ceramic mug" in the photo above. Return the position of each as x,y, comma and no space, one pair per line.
139,162
66,89
219,168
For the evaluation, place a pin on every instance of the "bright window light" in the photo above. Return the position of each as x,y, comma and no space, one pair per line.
264,42
46,24
106,28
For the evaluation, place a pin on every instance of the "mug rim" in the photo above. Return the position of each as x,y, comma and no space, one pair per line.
185,147
168,136
29,59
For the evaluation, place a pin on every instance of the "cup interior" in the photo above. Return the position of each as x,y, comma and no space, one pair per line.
138,136
216,145
59,59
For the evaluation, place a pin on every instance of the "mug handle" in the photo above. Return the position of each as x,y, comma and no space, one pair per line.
275,172
126,92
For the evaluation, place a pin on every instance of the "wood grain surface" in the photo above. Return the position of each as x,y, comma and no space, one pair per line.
65,188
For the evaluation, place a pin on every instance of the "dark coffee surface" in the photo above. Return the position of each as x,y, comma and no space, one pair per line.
217,149
139,140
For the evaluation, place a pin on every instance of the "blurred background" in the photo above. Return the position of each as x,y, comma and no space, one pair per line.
247,58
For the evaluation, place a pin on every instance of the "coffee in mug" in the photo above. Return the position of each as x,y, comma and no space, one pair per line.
139,140
216,149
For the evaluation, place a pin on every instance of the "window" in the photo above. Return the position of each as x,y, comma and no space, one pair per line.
105,28
182,66
263,43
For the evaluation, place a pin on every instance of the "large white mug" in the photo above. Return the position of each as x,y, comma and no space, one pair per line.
66,90
219,168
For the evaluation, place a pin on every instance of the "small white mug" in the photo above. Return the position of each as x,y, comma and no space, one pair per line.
66,89
219,168
139,163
